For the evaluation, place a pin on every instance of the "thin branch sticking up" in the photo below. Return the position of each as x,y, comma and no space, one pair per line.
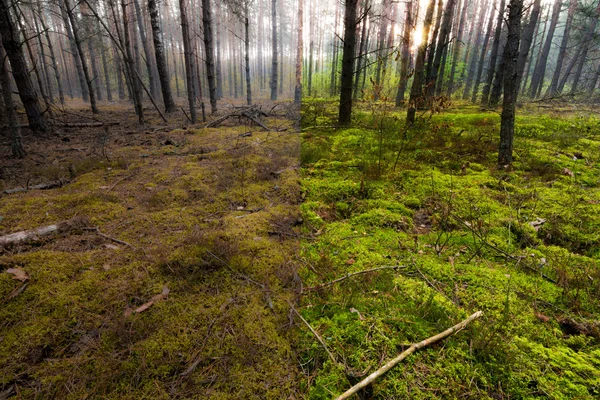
414,347
314,333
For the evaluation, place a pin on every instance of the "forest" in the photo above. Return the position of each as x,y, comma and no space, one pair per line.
299,199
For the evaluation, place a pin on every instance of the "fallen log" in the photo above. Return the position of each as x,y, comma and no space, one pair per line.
37,234
41,186
414,347
88,124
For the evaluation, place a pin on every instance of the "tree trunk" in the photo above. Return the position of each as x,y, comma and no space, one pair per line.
159,55
187,52
589,36
247,52
299,55
14,52
86,73
457,47
74,52
537,80
416,91
132,75
472,63
507,126
493,56
405,55
345,111
441,47
311,45
9,108
274,64
209,53
527,40
361,52
383,25
481,63
553,89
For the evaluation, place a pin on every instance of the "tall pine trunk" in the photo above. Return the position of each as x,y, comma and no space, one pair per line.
274,62
345,111
12,45
189,66
507,126
209,53
159,55
299,55
9,111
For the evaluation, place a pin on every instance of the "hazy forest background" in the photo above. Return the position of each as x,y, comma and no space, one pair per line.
299,199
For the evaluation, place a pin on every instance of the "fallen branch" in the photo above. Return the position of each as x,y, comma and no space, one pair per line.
252,113
414,347
97,231
314,333
37,234
89,124
41,186
324,285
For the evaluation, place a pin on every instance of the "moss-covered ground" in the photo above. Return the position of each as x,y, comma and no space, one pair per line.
211,215
520,243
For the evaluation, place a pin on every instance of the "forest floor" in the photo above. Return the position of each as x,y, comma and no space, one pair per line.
174,277
186,247
521,244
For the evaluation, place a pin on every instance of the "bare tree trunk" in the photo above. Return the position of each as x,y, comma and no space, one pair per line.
187,51
507,126
218,65
472,63
61,94
457,47
209,54
311,45
537,80
527,40
74,52
84,67
345,112
14,51
481,62
416,91
493,56
361,51
405,55
274,64
247,52
553,89
131,73
380,48
159,54
9,108
589,36
107,84
441,47
299,55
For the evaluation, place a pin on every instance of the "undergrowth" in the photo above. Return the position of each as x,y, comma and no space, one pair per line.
520,243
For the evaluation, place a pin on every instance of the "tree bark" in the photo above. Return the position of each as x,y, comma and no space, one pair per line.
537,80
14,51
299,55
507,126
457,47
187,52
274,62
493,56
553,89
416,91
527,40
405,55
481,62
84,67
9,112
209,53
159,55
247,52
345,111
